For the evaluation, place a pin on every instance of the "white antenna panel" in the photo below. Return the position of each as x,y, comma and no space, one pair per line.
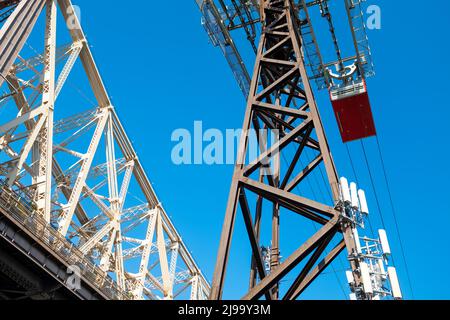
357,240
365,275
395,285
384,242
381,266
354,195
345,191
350,277
363,202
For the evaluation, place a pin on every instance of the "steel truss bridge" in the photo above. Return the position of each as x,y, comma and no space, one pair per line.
74,197
79,217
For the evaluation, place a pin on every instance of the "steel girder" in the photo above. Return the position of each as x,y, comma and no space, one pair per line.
77,179
7,8
15,32
8,3
281,100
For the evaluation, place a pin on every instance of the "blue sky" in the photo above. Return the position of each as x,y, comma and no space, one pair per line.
163,74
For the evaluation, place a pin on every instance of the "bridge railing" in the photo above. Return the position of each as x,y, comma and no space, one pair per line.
20,209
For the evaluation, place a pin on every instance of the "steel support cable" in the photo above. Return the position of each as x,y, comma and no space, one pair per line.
330,197
325,184
382,220
372,181
357,182
327,14
394,214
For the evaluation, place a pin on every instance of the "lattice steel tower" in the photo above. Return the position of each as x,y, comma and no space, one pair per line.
283,112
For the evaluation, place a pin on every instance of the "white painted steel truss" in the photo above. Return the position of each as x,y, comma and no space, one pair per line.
81,173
